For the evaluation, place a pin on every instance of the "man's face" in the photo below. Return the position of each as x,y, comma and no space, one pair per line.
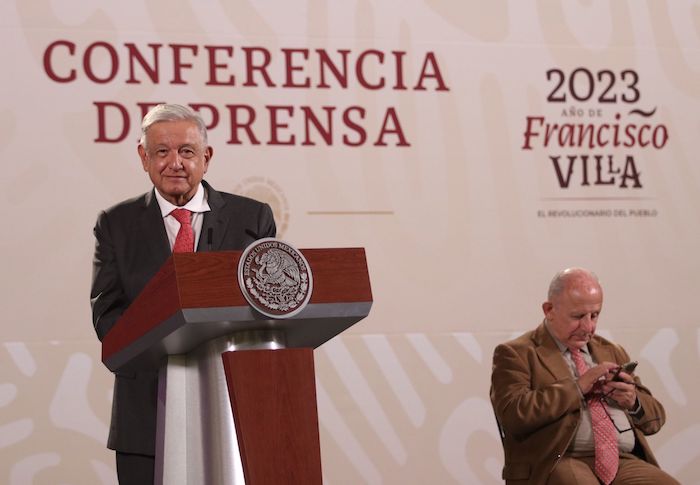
175,158
573,313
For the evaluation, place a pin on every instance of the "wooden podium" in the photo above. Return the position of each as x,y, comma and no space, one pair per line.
252,420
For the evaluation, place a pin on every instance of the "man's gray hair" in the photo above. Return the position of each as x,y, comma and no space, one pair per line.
171,112
562,277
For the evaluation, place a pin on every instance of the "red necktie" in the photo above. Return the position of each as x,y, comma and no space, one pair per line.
604,433
184,242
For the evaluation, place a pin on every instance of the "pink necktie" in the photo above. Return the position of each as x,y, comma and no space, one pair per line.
184,241
604,433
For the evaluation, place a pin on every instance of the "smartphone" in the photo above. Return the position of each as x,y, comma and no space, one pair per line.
627,368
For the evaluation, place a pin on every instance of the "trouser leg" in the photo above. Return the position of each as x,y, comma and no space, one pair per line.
133,469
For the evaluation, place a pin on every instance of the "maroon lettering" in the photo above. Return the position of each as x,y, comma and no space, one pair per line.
88,62
120,116
599,136
630,172
360,69
430,70
325,132
585,133
643,141
549,131
529,130
391,119
398,57
340,74
663,132
605,173
354,126
151,69
566,135
584,176
591,135
599,170
48,64
252,67
629,135
563,180
291,68
178,63
215,66
237,124
276,125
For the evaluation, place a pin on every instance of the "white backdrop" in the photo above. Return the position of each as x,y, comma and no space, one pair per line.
473,148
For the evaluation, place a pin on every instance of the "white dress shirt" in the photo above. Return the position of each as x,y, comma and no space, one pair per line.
582,444
198,205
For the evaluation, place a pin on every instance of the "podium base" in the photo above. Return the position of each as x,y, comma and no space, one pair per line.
273,397
196,436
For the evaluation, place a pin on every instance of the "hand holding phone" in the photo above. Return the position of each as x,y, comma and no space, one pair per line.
628,368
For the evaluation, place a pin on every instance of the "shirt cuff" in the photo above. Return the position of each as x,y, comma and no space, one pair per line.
637,411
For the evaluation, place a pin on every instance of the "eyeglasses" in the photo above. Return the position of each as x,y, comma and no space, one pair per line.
604,401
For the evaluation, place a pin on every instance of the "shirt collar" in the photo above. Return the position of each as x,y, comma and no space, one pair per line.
562,348
198,203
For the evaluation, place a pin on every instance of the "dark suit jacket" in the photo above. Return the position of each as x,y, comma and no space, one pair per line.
131,245
538,404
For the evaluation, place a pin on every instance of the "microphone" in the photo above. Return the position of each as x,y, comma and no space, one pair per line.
210,236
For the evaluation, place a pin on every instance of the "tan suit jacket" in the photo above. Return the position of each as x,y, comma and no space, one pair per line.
538,404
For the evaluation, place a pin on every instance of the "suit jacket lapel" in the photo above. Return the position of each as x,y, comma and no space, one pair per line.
549,354
600,352
213,225
152,228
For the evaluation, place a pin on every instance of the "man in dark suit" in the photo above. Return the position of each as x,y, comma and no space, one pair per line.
133,240
548,385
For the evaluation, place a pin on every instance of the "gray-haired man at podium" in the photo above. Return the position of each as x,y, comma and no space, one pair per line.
135,237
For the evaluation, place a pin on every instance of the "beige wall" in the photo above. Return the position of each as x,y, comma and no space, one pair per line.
463,226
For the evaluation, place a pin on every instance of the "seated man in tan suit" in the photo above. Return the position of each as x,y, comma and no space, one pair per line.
566,418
